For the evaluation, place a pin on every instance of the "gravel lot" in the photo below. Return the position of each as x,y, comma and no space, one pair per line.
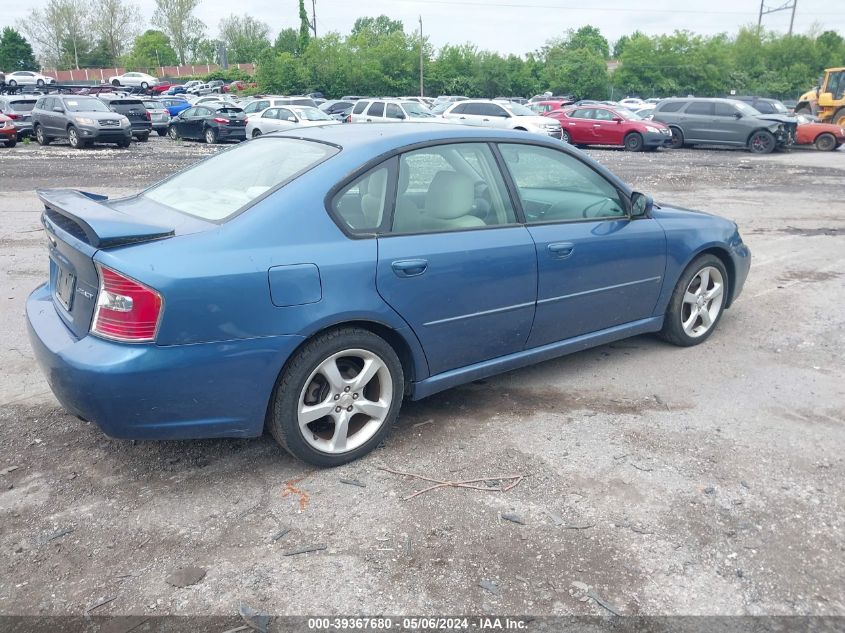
670,481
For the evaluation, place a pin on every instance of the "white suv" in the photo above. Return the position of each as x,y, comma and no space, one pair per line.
501,114
391,111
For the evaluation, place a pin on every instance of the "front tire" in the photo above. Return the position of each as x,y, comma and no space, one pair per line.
677,138
634,142
337,398
40,83
115,83
12,83
697,302
172,133
74,138
762,142
564,136
825,142
144,85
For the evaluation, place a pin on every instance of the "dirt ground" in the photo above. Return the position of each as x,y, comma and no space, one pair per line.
658,480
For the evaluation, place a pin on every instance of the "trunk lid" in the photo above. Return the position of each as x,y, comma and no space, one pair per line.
78,224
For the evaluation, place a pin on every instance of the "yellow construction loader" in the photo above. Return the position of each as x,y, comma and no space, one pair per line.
827,100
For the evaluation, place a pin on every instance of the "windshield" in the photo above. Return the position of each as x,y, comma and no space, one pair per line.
85,104
518,110
313,114
440,108
745,108
416,110
779,107
217,188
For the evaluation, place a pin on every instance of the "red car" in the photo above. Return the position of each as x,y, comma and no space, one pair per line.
824,136
238,85
541,107
8,131
604,125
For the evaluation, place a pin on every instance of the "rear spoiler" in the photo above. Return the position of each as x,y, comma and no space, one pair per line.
100,225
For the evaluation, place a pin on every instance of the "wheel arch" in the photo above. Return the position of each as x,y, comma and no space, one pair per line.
755,131
724,256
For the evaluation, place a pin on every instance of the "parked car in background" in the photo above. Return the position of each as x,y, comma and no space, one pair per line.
764,105
133,109
390,111
199,89
211,98
134,80
285,118
27,78
8,131
213,123
449,99
262,103
177,89
698,121
352,98
336,107
507,116
541,107
81,119
19,109
632,103
190,84
824,136
603,125
238,85
174,105
159,115
295,289
216,85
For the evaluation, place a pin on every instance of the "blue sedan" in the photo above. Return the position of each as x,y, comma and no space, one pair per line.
307,282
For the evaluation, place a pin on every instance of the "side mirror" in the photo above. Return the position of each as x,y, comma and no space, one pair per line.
58,109
738,115
292,119
641,205
617,119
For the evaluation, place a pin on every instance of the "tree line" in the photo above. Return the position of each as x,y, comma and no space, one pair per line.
378,57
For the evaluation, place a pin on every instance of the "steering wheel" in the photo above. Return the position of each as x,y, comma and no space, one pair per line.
482,205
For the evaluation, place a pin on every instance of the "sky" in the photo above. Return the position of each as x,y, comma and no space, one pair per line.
512,26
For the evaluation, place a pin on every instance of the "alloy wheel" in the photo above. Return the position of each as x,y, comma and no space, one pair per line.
345,401
762,143
564,136
702,301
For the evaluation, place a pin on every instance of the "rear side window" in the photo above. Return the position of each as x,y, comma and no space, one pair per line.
377,109
360,107
669,106
362,205
218,188
704,108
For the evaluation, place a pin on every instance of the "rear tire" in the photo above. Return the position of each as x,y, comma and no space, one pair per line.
677,138
690,301
256,133
40,83
825,142
634,142
210,136
42,138
115,83
12,83
143,137
144,85
124,144
303,384
161,131
761,142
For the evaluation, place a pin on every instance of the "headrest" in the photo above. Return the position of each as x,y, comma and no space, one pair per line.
450,195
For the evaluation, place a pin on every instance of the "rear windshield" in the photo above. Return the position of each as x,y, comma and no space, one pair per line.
153,105
22,106
219,187
85,104
126,102
229,110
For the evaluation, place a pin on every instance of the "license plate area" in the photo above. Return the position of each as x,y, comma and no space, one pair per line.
65,283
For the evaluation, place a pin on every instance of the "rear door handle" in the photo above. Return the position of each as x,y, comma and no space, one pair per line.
561,250
409,267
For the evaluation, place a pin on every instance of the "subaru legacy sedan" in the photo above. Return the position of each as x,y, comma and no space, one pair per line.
308,281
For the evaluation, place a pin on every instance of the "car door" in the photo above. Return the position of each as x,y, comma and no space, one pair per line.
456,113
697,121
605,129
728,126
454,262
597,268
285,119
494,115
54,121
188,122
393,113
375,113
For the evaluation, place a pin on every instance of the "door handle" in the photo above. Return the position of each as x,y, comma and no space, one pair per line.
485,119
561,250
597,125
409,267
462,118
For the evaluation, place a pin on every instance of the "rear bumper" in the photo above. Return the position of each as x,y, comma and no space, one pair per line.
141,130
227,133
157,392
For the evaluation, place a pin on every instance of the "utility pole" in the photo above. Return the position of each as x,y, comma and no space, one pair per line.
786,6
314,17
760,17
422,87
792,19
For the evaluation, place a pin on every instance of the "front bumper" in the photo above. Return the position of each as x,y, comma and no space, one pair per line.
741,257
105,134
657,139
219,389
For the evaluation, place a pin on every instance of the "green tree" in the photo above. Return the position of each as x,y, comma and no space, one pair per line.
15,51
245,38
177,20
150,49
588,38
581,72
287,41
59,32
115,23
304,27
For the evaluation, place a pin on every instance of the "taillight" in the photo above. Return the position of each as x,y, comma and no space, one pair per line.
147,114
126,309
349,119
218,119
13,116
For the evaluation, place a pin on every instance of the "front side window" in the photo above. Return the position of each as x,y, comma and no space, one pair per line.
270,113
556,187
394,112
669,106
285,115
217,188
450,187
726,109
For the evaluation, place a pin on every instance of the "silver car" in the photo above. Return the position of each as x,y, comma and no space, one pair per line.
159,116
391,111
285,118
502,115
19,109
